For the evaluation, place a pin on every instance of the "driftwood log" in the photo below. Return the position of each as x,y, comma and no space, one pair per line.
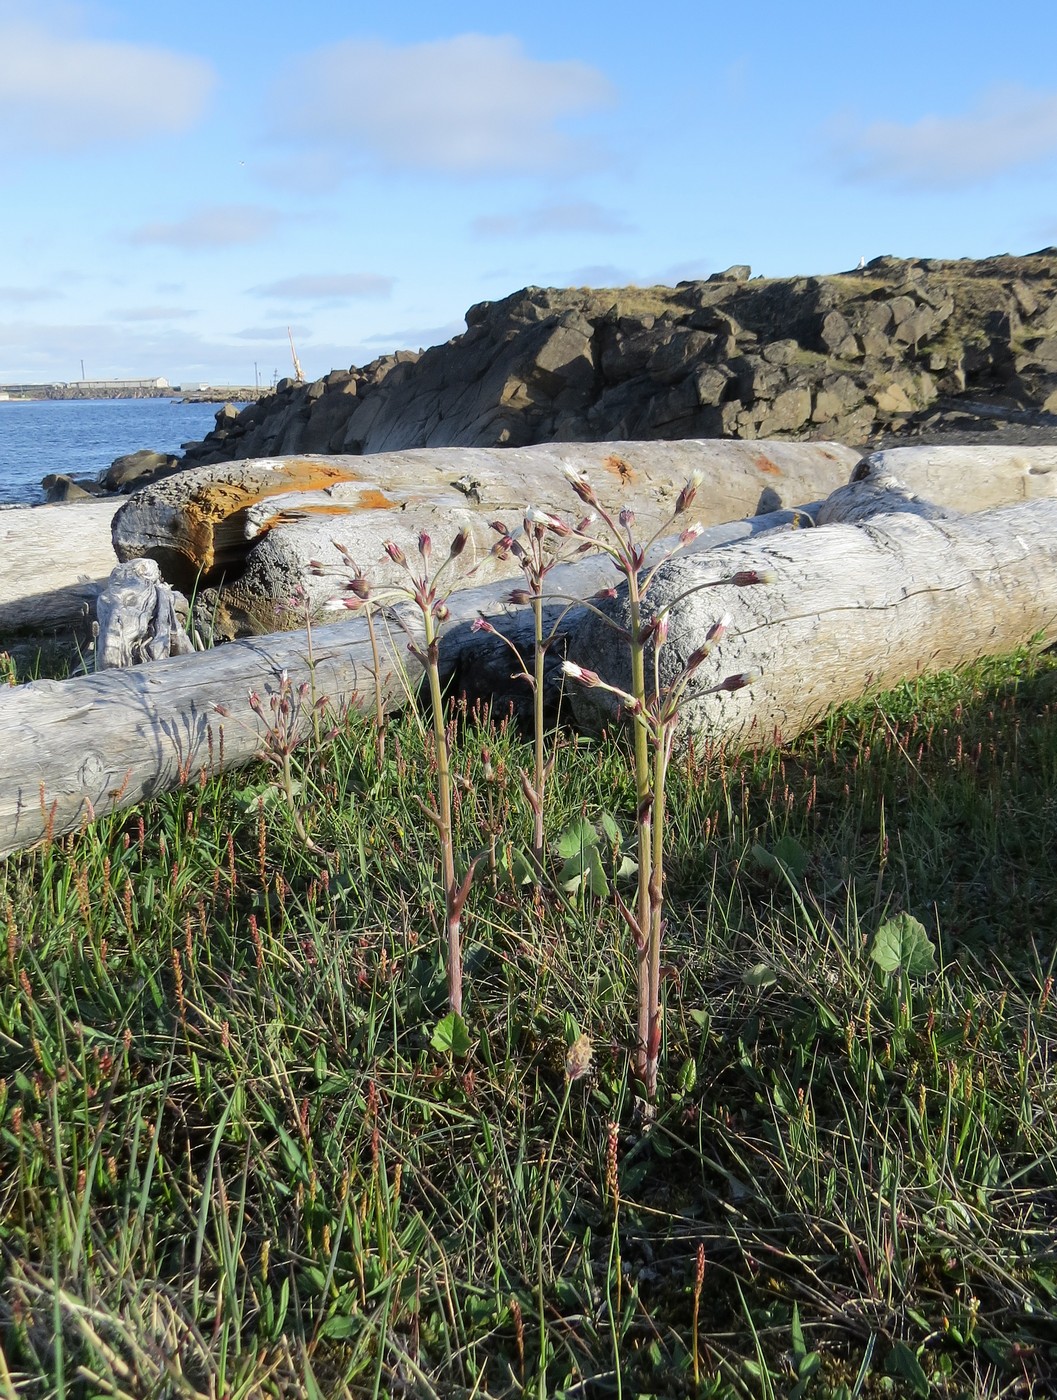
76,749
243,535
853,607
54,560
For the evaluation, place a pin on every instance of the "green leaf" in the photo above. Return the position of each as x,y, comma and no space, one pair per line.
788,857
596,880
451,1036
257,796
585,870
688,1076
902,943
626,868
796,1333
576,838
340,1329
760,975
609,829
901,1361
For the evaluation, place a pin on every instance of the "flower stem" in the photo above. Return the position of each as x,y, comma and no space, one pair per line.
452,914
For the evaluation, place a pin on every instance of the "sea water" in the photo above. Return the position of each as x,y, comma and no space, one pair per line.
81,437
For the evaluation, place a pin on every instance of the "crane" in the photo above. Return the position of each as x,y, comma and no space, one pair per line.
299,374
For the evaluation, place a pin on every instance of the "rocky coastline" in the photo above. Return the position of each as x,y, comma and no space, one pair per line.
901,350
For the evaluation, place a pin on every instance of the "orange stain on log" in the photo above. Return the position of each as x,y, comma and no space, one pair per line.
220,506
368,500
372,499
624,471
764,464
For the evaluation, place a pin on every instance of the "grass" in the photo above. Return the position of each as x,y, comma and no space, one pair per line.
233,1163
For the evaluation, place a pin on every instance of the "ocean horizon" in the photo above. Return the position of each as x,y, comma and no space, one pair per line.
81,437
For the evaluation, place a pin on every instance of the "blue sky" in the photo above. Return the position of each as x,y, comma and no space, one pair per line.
181,183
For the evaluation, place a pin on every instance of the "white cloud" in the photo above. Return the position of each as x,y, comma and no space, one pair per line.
577,216
327,287
1009,127
270,333
153,313
469,105
62,92
23,296
212,226
416,336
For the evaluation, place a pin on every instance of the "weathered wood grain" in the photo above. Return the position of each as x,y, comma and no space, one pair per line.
853,608
54,560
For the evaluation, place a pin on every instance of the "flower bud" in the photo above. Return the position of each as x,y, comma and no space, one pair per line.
581,673
518,597
691,533
718,628
441,611
425,546
627,518
458,544
697,657
395,553
741,679
689,491
481,624
744,578
577,479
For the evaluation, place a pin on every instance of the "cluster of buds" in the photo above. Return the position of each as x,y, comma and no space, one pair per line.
421,588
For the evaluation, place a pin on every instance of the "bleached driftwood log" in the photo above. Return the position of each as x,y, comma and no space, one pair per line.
54,560
263,522
76,749
853,608
971,478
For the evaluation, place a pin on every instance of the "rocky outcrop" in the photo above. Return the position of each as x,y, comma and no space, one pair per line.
898,348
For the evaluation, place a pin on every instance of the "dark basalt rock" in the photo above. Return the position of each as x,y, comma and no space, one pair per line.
893,350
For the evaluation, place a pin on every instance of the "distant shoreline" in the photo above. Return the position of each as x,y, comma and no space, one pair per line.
207,393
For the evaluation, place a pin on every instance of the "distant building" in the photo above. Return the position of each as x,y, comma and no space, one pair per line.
112,384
